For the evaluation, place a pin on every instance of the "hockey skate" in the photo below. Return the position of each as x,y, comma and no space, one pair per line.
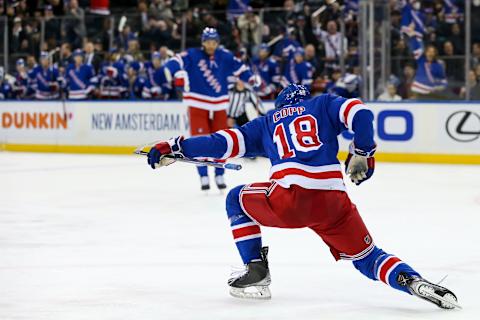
253,281
220,181
204,183
438,295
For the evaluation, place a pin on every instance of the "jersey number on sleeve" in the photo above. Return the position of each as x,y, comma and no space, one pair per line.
304,135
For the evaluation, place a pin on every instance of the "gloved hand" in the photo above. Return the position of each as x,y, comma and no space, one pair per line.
181,81
255,81
157,155
360,163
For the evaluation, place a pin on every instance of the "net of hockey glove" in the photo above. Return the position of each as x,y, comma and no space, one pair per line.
157,155
360,163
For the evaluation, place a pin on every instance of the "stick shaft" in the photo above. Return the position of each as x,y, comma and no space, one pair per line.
230,166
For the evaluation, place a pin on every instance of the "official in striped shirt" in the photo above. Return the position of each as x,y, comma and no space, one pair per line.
239,96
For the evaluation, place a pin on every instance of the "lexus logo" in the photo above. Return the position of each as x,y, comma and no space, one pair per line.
463,126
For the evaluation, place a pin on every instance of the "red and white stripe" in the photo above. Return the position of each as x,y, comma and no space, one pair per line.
328,177
348,110
421,88
197,100
246,231
77,94
235,143
358,256
386,268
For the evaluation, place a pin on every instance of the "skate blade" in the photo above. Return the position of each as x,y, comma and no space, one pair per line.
445,303
252,293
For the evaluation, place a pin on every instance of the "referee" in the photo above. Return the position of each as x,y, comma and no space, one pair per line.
239,96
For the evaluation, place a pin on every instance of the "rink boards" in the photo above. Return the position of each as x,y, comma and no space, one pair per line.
405,132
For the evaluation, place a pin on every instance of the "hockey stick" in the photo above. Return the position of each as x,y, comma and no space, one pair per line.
231,166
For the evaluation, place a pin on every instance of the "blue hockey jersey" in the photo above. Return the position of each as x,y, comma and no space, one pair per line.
269,71
81,81
286,47
113,80
6,91
208,76
299,73
46,82
430,76
157,86
409,16
300,140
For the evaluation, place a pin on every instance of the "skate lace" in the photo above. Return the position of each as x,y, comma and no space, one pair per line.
238,272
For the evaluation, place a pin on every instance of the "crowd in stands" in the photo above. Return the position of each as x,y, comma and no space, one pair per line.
62,49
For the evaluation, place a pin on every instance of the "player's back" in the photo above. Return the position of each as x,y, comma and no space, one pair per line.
301,142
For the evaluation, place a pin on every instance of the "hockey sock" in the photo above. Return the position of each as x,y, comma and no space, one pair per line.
219,171
246,232
379,265
202,171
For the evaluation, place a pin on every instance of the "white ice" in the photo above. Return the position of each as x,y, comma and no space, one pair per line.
105,237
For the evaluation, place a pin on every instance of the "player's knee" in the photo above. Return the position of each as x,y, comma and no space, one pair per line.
367,265
233,201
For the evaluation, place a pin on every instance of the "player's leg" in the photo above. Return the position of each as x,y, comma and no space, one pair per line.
248,240
200,125
349,239
219,122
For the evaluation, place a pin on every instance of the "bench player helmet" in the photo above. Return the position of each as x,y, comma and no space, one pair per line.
210,34
292,94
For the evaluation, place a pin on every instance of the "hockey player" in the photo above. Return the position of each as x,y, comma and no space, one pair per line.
113,80
306,188
137,81
20,86
80,77
45,79
347,86
202,74
269,71
157,85
6,88
298,70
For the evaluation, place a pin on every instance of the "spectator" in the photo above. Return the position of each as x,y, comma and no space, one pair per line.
475,54
249,26
332,42
408,76
390,94
161,10
18,37
92,57
66,57
457,38
75,24
310,56
474,85
454,67
52,27
304,31
430,80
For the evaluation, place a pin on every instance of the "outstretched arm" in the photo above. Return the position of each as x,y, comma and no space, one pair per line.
224,144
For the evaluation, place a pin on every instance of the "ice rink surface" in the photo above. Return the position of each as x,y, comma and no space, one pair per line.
105,237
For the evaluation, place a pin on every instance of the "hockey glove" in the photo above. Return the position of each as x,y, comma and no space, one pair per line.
360,164
157,155
181,81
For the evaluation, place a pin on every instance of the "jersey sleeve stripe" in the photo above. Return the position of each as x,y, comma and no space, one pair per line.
235,143
240,70
348,110
179,60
